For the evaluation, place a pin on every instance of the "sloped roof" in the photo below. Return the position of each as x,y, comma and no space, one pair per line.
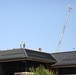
65,59
26,54
38,55
12,54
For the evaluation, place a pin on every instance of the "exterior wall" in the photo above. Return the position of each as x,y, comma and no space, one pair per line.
9,68
0,68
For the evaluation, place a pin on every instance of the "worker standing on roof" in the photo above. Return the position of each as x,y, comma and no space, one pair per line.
24,45
21,44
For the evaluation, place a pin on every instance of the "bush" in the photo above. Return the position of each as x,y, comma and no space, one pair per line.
40,70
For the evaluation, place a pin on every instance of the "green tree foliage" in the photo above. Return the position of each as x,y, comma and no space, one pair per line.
40,70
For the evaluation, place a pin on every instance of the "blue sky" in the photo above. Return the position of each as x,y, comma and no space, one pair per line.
37,22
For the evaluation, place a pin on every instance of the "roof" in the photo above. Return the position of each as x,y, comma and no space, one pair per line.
65,59
26,54
61,59
38,55
12,54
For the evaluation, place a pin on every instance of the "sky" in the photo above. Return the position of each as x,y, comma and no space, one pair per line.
38,23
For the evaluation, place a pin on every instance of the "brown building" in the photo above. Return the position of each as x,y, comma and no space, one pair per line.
20,60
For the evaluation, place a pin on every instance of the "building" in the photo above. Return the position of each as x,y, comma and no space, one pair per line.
20,60
66,62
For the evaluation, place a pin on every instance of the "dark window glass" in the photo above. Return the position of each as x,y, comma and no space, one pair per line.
70,70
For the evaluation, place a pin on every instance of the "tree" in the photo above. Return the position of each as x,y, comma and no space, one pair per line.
40,70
